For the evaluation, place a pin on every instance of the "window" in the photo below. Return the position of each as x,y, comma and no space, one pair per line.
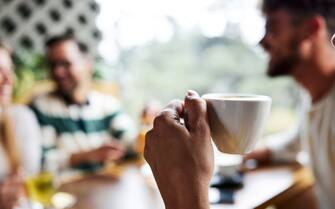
160,49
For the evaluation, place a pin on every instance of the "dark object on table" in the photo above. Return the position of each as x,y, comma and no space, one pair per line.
227,182
221,196
131,155
226,196
223,188
89,167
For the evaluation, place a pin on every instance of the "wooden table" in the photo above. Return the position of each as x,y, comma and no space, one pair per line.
284,187
278,186
121,188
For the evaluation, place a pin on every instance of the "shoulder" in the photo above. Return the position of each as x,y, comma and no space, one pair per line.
25,122
49,104
46,99
21,112
106,102
105,98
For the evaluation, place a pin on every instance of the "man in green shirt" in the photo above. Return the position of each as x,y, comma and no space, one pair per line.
80,127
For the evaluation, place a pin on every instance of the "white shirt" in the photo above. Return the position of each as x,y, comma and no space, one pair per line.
27,134
316,136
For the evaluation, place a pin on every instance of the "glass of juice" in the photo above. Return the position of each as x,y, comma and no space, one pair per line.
41,188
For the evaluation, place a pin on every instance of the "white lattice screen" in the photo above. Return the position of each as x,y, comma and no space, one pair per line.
27,23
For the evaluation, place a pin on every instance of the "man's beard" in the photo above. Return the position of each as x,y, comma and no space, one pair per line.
287,64
284,67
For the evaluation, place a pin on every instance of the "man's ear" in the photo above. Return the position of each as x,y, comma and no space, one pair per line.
313,27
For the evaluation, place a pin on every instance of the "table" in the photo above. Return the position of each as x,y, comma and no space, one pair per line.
130,190
280,186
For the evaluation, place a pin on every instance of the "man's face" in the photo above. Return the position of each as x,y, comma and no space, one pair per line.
6,77
281,42
69,69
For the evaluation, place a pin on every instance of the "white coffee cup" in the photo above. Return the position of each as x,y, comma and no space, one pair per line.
236,120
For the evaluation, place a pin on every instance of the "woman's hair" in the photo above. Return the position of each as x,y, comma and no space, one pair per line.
7,133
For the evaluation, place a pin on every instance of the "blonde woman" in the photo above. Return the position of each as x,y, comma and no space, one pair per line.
19,139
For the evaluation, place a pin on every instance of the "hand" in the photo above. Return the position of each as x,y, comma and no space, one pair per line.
107,152
113,151
11,190
261,155
181,157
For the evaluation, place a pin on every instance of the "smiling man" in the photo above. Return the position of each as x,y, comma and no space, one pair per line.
297,38
81,127
298,42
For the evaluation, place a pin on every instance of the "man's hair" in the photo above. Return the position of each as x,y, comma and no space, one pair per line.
58,39
305,9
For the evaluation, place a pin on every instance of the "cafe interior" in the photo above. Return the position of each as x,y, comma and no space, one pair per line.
87,79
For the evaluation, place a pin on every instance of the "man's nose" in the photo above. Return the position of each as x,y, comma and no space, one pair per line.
264,42
59,71
6,79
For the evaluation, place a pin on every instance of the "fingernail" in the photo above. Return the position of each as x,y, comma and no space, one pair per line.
190,93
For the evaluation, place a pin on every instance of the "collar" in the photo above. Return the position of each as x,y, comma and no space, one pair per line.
69,102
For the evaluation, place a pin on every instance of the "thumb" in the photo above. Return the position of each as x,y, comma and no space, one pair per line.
195,114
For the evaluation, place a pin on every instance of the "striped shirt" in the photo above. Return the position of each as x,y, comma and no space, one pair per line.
71,128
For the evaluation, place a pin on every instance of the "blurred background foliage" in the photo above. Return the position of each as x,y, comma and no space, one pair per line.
30,67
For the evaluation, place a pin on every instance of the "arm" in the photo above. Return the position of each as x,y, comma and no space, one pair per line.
181,156
28,135
107,152
123,133
58,158
284,147
11,190
279,148
55,156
